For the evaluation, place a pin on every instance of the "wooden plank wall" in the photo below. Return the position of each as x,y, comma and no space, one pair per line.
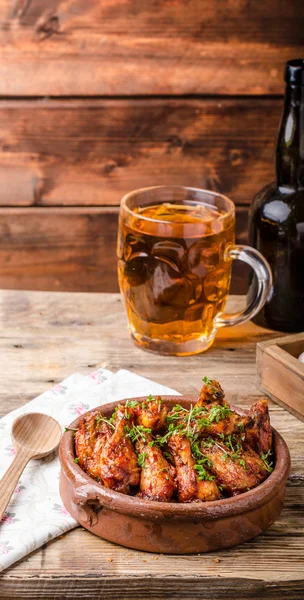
98,98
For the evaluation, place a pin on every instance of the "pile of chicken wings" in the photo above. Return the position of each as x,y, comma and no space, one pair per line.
196,454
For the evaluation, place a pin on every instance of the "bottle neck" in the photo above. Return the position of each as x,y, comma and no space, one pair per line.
290,145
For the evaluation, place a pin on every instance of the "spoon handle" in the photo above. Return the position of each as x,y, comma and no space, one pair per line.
11,477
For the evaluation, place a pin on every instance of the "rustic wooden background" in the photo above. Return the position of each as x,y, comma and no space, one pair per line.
99,97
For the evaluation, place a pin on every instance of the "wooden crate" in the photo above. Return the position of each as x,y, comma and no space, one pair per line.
281,374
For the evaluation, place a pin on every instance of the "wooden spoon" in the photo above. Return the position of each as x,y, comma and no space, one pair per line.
35,435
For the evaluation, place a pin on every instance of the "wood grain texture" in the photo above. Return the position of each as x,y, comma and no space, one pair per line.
280,372
129,47
55,334
71,249
72,152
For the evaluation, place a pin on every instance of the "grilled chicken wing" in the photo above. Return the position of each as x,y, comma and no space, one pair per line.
157,475
152,414
221,421
235,471
190,487
118,460
211,420
92,433
259,434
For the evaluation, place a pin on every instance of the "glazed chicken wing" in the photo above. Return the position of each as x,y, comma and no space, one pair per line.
211,420
118,460
221,421
157,475
190,487
92,432
235,471
152,414
259,434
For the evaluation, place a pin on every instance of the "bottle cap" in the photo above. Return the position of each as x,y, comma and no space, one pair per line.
294,72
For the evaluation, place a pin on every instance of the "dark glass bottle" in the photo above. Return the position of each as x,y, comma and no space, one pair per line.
276,222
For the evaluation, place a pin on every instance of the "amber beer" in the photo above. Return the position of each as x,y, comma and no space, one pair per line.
174,266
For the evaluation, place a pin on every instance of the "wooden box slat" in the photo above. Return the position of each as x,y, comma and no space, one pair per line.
76,47
281,374
77,152
68,249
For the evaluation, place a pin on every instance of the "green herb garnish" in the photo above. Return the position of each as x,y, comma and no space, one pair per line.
150,398
218,413
202,474
233,444
208,443
76,460
268,464
70,429
199,455
141,459
138,432
105,420
131,403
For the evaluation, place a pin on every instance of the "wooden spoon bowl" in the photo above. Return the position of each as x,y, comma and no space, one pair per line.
35,435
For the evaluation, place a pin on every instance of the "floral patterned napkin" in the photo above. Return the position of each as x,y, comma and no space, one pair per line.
35,513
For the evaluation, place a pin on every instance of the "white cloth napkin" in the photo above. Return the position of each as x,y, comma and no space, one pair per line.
35,513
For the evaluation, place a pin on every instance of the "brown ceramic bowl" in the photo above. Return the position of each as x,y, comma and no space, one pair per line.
171,527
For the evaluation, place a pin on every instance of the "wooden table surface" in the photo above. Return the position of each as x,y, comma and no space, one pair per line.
47,336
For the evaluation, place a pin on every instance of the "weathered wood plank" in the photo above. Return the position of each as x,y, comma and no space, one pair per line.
71,249
72,152
75,47
53,335
208,588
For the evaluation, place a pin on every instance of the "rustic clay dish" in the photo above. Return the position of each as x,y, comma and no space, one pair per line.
171,527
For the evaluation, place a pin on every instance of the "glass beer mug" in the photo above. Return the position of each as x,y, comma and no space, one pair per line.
175,250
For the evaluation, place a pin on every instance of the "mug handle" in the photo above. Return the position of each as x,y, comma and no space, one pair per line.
263,274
